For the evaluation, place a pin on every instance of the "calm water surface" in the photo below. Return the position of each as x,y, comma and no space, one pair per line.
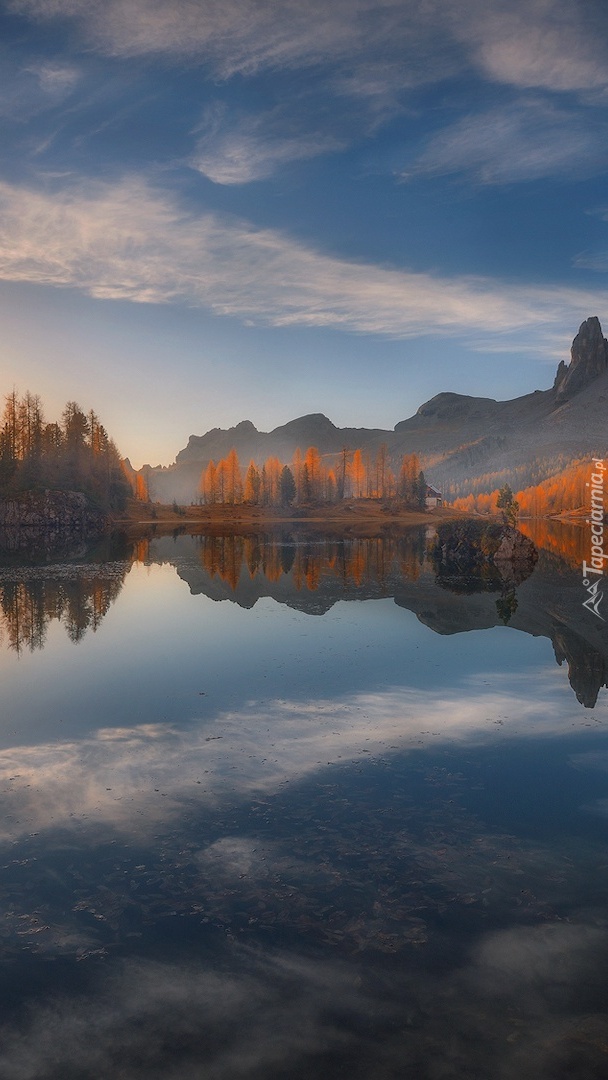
286,806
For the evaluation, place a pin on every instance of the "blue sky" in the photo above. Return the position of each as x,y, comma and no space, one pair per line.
213,210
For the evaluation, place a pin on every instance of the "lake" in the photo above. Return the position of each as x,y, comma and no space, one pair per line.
295,805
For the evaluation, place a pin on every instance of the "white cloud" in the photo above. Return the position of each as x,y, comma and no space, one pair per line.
553,44
526,140
252,148
127,241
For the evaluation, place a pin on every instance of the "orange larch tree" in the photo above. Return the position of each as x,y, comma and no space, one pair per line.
358,474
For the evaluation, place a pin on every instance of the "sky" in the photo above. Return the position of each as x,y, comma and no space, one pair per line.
217,210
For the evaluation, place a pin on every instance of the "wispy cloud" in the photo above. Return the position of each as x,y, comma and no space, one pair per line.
252,147
127,241
528,139
527,43
594,259
55,79
32,89
237,35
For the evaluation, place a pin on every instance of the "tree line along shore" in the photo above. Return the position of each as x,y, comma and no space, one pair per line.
309,480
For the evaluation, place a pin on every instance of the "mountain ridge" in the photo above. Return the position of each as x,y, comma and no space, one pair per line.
459,438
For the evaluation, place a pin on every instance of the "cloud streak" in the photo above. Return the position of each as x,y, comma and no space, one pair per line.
253,147
526,140
127,241
236,36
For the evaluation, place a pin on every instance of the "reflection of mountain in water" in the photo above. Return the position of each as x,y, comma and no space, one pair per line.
76,596
304,571
311,574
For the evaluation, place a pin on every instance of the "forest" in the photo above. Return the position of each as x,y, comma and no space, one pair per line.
567,491
73,454
311,479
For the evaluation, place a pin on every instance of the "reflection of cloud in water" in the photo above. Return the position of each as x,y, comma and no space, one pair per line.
263,1016
392,901
131,778
537,960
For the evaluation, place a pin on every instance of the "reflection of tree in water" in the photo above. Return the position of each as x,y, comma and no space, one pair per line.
307,560
27,607
506,605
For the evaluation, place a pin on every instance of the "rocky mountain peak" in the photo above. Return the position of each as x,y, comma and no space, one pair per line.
589,358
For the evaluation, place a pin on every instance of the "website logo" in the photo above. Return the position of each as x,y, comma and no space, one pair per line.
593,571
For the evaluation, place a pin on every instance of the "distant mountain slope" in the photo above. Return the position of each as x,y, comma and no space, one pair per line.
465,443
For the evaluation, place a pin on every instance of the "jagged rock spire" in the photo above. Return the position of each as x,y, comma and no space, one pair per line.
589,358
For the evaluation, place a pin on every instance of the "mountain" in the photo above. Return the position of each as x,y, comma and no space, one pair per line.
463,442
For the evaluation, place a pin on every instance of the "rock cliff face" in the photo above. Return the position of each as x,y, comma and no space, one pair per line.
589,358
51,511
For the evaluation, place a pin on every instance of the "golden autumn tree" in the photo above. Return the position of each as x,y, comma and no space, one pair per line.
141,488
314,473
234,483
358,474
208,486
221,478
271,481
253,483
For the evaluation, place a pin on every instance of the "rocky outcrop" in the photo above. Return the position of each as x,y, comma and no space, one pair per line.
515,556
51,511
589,358
472,556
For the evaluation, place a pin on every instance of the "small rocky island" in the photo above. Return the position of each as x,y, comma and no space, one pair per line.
478,556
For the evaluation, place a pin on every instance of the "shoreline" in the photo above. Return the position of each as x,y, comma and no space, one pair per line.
353,518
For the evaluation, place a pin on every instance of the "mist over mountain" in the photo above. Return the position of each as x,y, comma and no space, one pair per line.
463,442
